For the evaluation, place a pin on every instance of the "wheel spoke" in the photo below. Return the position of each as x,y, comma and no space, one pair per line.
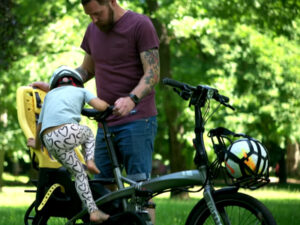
234,209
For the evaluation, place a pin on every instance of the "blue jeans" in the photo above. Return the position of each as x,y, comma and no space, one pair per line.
135,142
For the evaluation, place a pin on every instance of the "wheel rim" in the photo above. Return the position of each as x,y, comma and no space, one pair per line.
234,214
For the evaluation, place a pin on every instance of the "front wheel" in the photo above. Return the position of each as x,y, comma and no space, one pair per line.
234,209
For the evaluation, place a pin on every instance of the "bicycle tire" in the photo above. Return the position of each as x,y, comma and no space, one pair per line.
234,209
32,218
29,214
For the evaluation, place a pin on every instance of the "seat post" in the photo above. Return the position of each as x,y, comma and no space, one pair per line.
113,156
114,160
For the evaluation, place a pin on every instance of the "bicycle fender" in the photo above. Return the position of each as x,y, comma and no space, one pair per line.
214,193
224,190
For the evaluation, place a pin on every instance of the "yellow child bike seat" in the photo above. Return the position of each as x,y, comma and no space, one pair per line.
29,105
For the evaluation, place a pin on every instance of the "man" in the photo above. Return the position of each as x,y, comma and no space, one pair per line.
122,54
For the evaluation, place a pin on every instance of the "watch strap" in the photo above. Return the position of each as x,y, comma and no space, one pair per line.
134,98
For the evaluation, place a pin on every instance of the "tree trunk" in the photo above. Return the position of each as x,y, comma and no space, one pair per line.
293,160
1,168
177,160
282,169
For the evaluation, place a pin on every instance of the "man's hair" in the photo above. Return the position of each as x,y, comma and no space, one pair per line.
101,2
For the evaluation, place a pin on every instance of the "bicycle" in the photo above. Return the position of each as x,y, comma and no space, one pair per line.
225,206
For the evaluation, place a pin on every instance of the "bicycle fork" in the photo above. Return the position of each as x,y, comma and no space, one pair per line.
209,200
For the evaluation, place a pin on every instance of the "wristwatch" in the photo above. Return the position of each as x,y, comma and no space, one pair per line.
134,98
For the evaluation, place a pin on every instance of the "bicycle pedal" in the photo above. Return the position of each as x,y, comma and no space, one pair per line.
143,193
126,218
150,205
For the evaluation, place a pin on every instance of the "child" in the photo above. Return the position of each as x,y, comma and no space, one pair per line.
59,130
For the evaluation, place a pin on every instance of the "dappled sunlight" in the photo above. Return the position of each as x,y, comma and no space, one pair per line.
16,197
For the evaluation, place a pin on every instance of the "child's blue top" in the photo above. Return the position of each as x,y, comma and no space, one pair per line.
63,105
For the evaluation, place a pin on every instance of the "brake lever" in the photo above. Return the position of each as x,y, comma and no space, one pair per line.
223,100
227,105
185,94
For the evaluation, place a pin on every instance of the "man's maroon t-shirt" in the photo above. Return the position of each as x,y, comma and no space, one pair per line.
118,68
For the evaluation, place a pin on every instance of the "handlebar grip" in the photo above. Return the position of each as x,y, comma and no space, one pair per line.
89,112
177,84
189,90
97,115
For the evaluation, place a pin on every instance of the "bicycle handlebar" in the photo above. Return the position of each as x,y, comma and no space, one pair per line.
97,115
100,116
187,91
178,84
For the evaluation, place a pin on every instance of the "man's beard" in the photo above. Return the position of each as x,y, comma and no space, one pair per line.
110,23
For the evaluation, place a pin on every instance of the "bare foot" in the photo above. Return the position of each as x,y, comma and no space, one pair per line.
91,166
98,216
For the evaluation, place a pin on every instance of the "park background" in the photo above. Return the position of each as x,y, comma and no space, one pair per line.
248,49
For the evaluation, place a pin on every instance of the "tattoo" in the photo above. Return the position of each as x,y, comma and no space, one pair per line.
151,65
84,74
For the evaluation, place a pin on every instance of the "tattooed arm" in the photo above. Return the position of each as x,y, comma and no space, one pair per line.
86,69
151,66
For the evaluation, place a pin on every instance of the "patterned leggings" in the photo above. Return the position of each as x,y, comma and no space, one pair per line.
61,143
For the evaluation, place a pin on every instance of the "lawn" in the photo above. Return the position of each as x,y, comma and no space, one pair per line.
283,202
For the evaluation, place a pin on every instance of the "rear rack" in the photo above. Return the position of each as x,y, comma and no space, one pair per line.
217,168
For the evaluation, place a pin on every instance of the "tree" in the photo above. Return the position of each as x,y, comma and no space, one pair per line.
267,72
25,30
9,27
247,49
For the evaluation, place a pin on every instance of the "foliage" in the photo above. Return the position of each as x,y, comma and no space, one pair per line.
10,77
38,37
234,46
249,50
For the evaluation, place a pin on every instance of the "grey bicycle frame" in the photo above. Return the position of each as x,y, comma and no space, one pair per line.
186,178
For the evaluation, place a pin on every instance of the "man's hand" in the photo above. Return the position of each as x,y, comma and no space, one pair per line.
123,106
31,143
41,85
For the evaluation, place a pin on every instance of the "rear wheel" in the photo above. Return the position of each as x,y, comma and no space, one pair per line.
29,215
234,209
31,218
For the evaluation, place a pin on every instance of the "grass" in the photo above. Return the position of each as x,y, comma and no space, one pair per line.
13,204
173,212
283,202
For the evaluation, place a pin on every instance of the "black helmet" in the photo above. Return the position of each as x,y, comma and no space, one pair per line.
64,71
